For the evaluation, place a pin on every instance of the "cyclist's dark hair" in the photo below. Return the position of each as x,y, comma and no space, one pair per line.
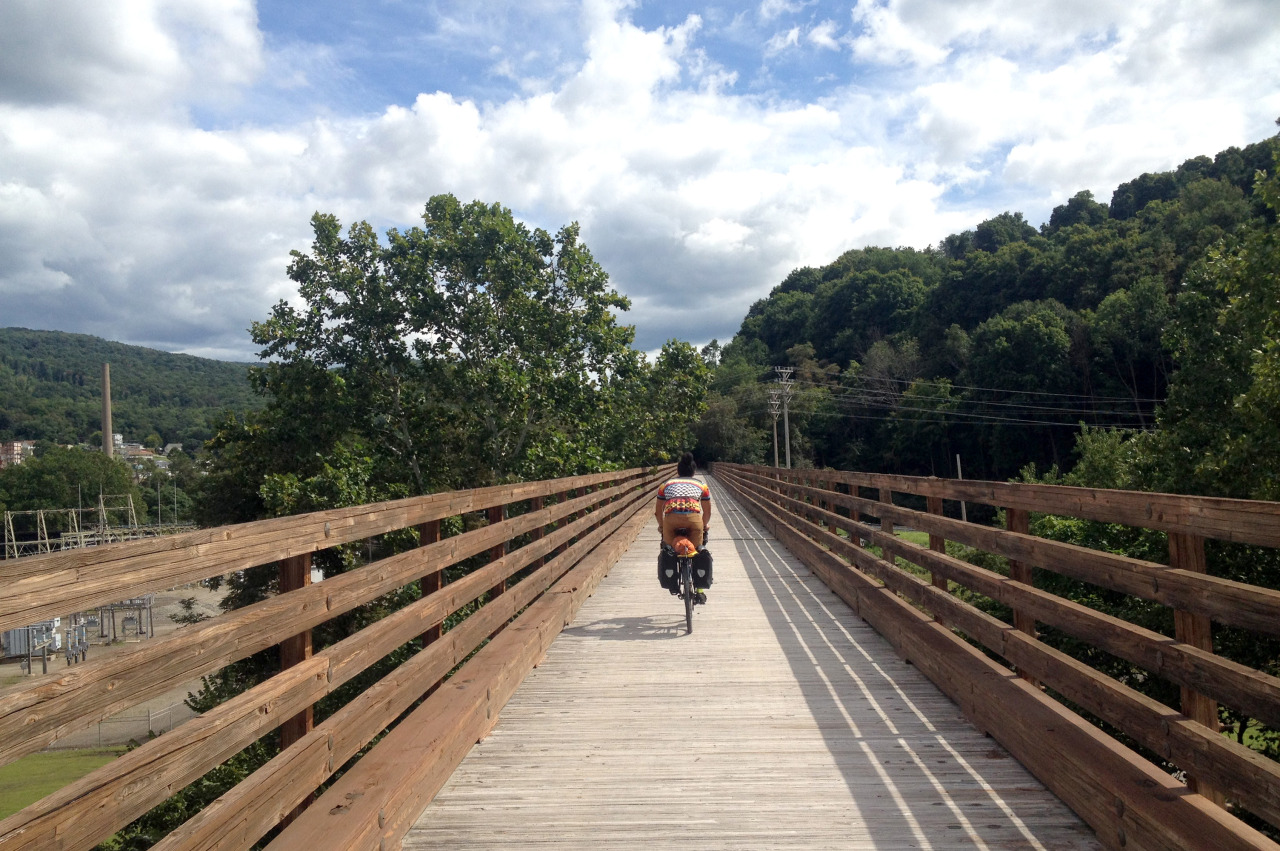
687,465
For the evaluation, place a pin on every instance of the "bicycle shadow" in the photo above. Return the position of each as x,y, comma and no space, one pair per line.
648,628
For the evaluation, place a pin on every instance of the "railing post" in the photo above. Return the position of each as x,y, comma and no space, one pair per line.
938,544
1019,520
855,517
497,514
1186,552
886,526
831,506
295,574
536,504
429,533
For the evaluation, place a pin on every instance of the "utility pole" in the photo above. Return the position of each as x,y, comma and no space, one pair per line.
774,403
784,378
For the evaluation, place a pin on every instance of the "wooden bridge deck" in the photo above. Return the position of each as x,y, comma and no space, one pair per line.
783,721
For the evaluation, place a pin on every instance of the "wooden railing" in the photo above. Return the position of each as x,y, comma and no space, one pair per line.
557,538
822,516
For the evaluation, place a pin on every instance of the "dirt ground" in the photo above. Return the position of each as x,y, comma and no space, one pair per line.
163,709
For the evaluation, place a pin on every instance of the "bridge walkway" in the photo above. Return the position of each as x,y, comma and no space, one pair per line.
782,721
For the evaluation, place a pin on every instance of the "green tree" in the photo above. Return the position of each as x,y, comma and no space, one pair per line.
1002,230
1127,346
469,350
1080,210
59,478
1219,432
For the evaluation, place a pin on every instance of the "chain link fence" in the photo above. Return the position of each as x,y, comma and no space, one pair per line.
133,726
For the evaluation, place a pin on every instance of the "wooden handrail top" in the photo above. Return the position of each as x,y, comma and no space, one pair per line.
36,716
48,585
1226,601
91,808
929,605
1242,521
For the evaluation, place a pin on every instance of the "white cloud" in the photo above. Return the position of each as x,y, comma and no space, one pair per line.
824,35
772,9
783,40
126,55
120,216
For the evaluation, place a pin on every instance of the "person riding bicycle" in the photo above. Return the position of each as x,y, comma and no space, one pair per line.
683,510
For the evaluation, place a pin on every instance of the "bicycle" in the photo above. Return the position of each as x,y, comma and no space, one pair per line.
685,552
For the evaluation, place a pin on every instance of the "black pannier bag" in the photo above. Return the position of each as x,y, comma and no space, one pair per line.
668,570
668,578
702,569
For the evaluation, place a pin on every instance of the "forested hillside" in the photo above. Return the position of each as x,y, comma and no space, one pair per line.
999,343
51,389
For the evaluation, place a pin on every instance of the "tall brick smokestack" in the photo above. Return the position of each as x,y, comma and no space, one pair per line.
108,445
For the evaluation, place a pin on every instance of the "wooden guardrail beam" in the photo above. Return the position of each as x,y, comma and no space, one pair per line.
375,804
1243,521
256,805
1245,774
38,587
1222,600
90,809
1130,802
34,717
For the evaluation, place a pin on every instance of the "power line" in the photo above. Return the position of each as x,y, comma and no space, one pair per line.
921,383
973,419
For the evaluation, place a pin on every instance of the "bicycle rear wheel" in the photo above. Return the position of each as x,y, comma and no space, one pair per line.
687,592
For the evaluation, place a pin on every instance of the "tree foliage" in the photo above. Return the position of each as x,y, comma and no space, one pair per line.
1002,342
465,351
51,387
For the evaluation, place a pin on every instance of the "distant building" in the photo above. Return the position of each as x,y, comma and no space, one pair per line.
136,456
170,448
13,452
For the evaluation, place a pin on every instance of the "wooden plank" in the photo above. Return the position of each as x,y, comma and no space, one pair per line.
1254,692
241,812
496,515
295,574
1186,552
377,801
1238,520
43,586
1222,600
32,717
781,722
1243,773
92,808
937,543
97,805
1129,802
1018,521
429,533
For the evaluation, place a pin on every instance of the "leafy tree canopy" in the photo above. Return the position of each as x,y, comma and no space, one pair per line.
468,350
1032,333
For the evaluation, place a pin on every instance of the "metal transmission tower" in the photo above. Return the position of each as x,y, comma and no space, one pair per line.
775,408
784,378
114,519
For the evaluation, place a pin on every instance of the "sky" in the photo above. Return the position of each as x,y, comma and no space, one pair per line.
159,159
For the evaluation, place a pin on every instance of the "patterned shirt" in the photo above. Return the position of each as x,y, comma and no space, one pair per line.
683,496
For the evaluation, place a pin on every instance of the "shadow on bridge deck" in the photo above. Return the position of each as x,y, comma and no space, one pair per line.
783,721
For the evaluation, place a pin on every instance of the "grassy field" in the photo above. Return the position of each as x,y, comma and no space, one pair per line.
32,777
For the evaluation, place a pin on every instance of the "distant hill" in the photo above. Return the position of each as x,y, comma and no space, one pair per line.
51,389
